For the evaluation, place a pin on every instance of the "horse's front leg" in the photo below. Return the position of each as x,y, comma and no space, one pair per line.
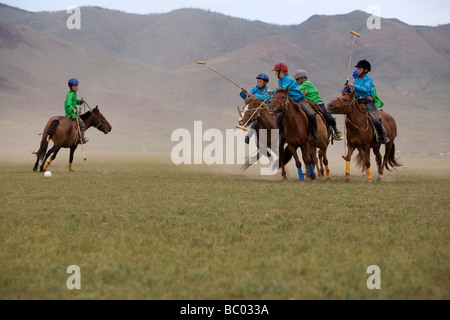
348,159
306,155
298,163
72,150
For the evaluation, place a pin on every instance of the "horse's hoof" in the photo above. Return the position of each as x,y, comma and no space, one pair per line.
368,181
379,179
34,169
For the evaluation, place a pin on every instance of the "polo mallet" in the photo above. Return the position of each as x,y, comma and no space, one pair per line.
204,63
351,53
81,140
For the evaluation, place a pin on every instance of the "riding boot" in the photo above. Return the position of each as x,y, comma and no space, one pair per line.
314,132
251,132
337,134
82,129
381,132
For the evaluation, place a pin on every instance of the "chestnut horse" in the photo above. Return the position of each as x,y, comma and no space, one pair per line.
64,134
295,132
266,121
361,136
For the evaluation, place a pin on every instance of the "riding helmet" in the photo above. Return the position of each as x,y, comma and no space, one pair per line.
364,64
300,74
263,76
280,67
73,82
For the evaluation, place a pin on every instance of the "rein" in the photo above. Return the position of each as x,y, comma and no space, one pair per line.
257,109
92,112
349,105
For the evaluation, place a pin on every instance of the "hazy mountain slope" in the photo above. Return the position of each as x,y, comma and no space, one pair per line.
142,71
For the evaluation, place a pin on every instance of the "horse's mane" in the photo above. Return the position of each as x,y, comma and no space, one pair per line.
86,115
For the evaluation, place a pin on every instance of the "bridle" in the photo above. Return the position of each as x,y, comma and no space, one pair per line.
344,106
283,105
342,109
100,123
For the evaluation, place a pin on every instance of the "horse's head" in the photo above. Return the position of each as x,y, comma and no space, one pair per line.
343,104
250,114
100,122
280,101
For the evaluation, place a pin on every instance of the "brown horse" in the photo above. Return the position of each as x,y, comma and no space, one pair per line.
321,144
295,132
64,134
360,135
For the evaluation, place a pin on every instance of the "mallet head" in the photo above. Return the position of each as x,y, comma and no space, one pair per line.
201,62
355,34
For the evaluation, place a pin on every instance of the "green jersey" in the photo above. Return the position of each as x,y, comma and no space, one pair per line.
378,103
71,104
312,94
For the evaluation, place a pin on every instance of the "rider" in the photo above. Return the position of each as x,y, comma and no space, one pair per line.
260,92
364,93
285,81
70,106
378,103
312,94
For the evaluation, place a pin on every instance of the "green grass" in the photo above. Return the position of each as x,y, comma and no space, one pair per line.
143,228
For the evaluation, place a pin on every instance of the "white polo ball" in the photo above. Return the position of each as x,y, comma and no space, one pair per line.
47,174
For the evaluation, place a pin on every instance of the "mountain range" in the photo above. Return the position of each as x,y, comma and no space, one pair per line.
141,70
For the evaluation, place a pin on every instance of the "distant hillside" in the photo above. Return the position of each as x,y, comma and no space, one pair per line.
141,70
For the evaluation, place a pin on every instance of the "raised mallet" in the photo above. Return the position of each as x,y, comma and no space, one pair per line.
351,53
204,63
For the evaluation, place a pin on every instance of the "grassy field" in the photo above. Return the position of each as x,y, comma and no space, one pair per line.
140,227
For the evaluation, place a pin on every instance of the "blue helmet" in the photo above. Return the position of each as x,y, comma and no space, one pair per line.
73,82
263,76
355,74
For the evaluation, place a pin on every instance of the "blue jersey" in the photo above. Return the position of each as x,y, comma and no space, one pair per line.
294,91
261,94
364,87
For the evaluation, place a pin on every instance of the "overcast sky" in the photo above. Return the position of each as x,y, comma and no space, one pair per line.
285,12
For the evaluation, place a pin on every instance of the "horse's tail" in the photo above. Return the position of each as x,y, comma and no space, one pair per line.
360,160
392,160
46,138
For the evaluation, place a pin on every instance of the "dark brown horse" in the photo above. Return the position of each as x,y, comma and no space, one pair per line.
295,132
360,135
64,134
255,111
266,121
